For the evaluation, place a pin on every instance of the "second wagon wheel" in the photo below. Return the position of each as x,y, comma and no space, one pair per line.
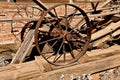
62,34
23,19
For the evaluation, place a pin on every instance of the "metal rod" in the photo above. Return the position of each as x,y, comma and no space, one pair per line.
44,7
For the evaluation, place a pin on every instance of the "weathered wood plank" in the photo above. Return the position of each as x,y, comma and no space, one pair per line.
103,53
24,49
110,28
106,38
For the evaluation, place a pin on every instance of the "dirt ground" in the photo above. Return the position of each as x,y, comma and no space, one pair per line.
7,51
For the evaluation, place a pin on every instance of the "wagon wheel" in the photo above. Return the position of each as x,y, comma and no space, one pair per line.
61,36
19,28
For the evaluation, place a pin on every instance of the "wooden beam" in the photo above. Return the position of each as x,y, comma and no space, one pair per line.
22,71
99,52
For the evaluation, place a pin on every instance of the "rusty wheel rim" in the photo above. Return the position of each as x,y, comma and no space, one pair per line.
63,38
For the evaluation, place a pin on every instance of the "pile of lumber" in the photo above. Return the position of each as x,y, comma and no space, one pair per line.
106,35
39,69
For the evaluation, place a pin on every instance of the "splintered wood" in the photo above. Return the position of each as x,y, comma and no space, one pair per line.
98,60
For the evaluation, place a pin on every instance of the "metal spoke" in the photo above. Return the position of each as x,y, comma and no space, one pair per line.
71,17
66,17
56,58
51,48
53,45
50,56
71,53
50,40
58,19
77,24
65,11
56,14
26,12
64,53
49,21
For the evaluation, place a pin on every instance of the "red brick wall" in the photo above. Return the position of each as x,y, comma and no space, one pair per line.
5,28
